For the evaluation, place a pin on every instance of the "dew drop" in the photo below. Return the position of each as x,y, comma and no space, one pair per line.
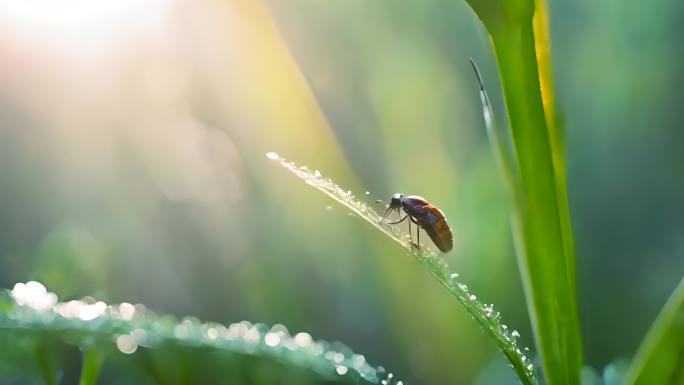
515,334
304,340
252,335
90,312
212,333
530,367
126,344
358,360
473,297
127,311
272,155
341,370
367,192
272,339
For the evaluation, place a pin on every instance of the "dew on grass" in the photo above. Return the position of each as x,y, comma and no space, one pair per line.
358,360
132,326
212,333
303,339
126,310
90,312
338,357
126,344
435,263
272,339
252,335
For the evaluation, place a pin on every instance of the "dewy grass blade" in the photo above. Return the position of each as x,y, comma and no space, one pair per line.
488,318
30,311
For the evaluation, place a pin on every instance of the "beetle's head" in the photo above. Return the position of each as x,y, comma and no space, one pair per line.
395,201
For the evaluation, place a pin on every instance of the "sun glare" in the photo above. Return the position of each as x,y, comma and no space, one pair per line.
79,21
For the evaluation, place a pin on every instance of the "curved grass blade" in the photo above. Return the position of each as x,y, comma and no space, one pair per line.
541,221
660,358
488,318
30,312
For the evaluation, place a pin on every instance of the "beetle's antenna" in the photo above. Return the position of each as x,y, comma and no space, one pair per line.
387,212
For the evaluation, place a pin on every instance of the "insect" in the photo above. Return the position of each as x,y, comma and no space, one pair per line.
425,216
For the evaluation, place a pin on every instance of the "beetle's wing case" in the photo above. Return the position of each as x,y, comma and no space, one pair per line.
431,219
437,228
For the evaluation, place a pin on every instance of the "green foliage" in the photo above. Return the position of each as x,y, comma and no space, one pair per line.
39,335
660,358
92,362
488,318
535,169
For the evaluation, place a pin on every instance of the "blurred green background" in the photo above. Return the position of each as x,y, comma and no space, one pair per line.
132,167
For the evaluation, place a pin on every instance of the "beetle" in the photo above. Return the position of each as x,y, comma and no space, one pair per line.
425,216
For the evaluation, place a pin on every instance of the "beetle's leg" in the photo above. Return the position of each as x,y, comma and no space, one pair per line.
417,228
399,221
410,232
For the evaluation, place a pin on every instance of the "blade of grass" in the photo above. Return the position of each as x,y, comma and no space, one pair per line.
35,314
92,362
541,222
488,318
45,364
660,358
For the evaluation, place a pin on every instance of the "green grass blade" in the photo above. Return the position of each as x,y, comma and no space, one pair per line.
45,364
30,317
488,318
92,362
542,226
660,358
546,262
